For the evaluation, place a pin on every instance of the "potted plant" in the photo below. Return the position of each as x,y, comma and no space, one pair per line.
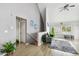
52,32
8,48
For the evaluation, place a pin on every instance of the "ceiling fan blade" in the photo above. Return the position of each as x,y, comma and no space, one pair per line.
72,6
66,5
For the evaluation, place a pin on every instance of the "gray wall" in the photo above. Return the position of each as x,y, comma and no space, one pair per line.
71,17
8,13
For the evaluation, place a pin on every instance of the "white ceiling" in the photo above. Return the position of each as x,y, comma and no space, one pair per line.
43,6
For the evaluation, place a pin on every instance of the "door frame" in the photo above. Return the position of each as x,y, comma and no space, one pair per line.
19,20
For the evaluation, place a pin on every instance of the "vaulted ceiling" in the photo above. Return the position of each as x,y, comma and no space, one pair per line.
50,12
42,7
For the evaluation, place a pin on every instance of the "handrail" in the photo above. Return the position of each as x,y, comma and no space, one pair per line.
34,38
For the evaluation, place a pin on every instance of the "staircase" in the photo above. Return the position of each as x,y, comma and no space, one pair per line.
33,38
42,20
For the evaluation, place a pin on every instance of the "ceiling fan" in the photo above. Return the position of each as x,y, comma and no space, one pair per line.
66,7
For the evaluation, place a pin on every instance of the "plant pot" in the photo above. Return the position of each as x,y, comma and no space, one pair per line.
11,53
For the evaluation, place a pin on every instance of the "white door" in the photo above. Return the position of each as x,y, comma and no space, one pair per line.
23,31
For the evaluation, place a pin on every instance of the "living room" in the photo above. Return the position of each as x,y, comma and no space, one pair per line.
59,21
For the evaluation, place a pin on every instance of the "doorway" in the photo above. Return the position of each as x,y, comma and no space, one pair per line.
21,30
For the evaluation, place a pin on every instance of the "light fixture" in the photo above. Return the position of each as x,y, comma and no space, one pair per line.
5,31
66,7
